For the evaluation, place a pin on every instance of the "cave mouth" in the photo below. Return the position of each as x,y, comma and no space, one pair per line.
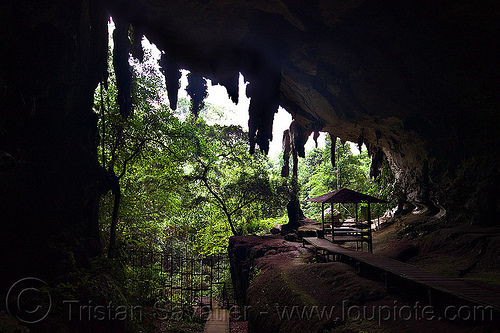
235,106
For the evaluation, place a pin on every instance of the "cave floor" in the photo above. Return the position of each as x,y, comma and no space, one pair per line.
311,296
457,251
433,283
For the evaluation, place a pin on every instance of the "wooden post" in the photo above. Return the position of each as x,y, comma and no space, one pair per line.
332,216
333,231
356,221
323,216
370,248
339,208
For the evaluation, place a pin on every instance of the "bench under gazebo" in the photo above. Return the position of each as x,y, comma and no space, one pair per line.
359,232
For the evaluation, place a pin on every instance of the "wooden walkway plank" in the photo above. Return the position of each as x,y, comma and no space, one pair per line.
455,287
218,321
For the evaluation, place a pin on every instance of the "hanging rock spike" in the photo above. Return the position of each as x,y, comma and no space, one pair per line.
172,75
197,90
333,140
122,68
264,91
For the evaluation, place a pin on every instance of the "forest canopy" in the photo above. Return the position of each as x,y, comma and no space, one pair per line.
181,180
176,180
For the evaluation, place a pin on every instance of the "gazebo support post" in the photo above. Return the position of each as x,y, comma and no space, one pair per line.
333,230
356,221
332,216
370,248
323,216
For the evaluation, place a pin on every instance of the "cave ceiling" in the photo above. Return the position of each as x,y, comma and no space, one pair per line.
407,79
347,67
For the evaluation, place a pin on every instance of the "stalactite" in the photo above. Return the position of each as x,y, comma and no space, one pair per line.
294,212
333,140
227,76
172,75
315,138
299,137
295,169
377,160
287,148
197,90
122,68
293,143
232,85
360,141
265,94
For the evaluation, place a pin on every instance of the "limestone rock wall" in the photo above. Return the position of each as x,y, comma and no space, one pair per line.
53,55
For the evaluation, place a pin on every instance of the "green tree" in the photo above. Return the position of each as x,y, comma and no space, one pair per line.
318,176
173,176
237,184
142,154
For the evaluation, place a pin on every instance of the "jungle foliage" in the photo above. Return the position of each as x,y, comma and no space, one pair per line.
181,180
176,179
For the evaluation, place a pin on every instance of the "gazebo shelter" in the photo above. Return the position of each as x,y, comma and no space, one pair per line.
344,195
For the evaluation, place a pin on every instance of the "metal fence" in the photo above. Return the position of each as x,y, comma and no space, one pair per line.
181,280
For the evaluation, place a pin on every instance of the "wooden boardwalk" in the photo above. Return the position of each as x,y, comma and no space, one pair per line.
434,283
218,321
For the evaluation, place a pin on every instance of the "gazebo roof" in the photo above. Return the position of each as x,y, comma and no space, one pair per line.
344,195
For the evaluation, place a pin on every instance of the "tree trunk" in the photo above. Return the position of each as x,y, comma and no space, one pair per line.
221,203
114,220
233,230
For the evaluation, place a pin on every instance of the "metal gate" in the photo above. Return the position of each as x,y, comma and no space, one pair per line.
182,280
